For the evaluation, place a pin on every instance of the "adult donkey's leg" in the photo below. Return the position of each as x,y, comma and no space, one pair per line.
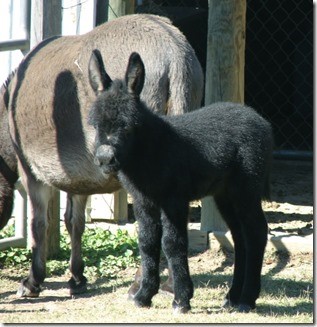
40,196
75,224
166,287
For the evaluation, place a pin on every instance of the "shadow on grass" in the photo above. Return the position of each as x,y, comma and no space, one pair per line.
93,290
270,286
283,217
282,258
288,310
299,294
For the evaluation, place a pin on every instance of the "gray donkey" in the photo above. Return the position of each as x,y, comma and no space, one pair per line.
48,99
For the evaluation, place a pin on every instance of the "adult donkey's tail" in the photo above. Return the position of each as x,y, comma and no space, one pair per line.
186,83
8,161
186,79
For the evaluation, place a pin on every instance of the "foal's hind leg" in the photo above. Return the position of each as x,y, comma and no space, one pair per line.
254,227
227,211
39,195
248,227
75,224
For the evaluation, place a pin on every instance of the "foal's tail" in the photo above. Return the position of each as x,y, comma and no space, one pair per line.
8,160
266,192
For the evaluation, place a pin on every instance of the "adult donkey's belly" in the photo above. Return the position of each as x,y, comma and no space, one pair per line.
48,124
63,158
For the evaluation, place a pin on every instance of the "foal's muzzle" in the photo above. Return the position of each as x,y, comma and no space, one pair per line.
105,159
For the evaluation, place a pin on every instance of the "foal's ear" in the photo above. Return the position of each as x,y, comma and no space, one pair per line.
98,77
135,74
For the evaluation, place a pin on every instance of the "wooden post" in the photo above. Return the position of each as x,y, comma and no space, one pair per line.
120,8
110,207
46,21
102,7
224,74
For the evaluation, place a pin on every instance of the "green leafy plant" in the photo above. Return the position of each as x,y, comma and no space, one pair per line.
13,256
105,253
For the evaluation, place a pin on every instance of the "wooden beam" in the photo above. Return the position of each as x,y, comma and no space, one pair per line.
46,20
102,7
224,74
119,8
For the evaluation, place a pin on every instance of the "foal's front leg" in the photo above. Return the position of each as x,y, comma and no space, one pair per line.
150,232
175,247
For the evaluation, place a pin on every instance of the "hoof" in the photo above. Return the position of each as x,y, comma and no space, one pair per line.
178,308
77,287
181,310
240,307
142,303
80,289
245,308
25,292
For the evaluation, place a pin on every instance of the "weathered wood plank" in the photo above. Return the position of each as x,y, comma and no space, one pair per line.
46,20
120,8
224,74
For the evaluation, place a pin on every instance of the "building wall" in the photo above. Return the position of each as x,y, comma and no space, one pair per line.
77,18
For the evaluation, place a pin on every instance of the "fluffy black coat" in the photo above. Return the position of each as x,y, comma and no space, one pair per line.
222,150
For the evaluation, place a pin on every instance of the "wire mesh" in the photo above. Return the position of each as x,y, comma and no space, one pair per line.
279,60
279,68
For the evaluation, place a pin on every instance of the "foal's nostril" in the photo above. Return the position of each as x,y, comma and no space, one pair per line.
112,161
104,155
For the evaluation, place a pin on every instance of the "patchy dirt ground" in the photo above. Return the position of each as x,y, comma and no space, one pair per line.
291,209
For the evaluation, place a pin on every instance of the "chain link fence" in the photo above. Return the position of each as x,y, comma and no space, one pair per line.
279,61
279,69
